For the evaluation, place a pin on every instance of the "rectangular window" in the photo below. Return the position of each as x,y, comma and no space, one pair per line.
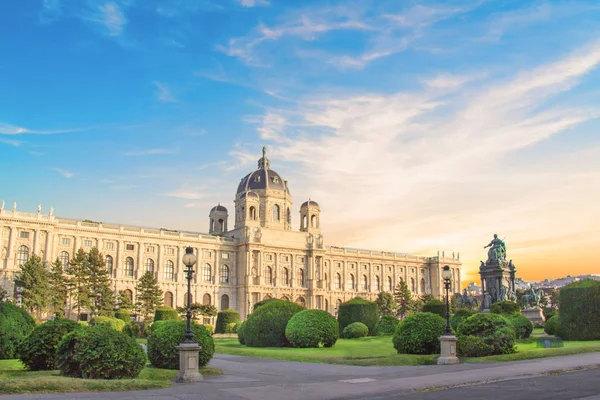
170,251
149,249
24,235
301,259
225,256
269,257
87,243
65,241
129,247
109,245
206,254
285,258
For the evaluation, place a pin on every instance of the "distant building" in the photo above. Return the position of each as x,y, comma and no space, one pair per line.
473,289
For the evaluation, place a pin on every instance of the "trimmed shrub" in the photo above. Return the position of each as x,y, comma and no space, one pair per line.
312,328
209,328
237,326
387,325
262,303
38,350
165,314
549,313
419,334
116,324
505,308
473,346
459,316
494,329
580,310
521,325
123,315
163,341
240,333
435,306
265,327
65,353
224,318
355,330
85,324
104,353
358,310
133,329
552,326
230,328
15,325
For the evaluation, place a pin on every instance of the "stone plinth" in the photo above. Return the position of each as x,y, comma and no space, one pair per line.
534,314
188,363
448,346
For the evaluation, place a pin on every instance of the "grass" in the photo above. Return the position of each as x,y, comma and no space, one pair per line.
15,379
379,351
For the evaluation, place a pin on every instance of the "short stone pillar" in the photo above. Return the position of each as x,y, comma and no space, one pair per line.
534,314
448,346
188,363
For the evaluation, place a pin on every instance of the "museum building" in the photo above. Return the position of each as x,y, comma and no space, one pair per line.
261,257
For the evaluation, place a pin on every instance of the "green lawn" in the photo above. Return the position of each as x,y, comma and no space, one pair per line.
14,379
380,351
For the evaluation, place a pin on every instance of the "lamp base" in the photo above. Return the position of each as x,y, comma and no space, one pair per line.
188,363
448,353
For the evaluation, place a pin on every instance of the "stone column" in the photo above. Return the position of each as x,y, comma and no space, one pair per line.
119,261
11,243
448,350
188,363
49,238
36,239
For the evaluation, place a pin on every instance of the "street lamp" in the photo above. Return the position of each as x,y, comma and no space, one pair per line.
447,340
447,276
189,260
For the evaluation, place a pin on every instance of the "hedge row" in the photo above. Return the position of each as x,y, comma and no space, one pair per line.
224,318
580,310
15,325
358,310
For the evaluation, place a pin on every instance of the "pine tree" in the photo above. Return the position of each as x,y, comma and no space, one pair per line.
100,294
59,285
149,294
78,277
32,282
124,301
404,299
386,304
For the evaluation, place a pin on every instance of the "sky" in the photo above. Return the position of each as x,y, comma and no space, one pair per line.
418,126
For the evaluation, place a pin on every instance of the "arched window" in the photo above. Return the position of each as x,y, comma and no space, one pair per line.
285,277
289,216
389,284
108,262
128,271
269,275
224,302
64,260
169,299
301,277
22,255
412,285
422,285
338,303
191,299
206,299
364,283
212,225
284,297
305,221
313,221
301,301
129,294
149,266
326,305
338,281
351,282
169,270
224,274
377,284
221,225
206,272
276,213
252,213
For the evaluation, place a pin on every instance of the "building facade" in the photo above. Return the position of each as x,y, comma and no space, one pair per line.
261,257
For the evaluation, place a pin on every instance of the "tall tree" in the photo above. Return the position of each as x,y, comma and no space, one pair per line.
100,295
426,297
59,285
78,277
124,301
554,298
404,299
386,304
32,282
149,294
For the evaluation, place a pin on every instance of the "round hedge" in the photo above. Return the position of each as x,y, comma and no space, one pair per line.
265,327
38,350
355,330
240,333
104,353
224,318
262,303
231,328
419,334
163,341
65,353
115,323
435,306
494,329
15,325
522,326
505,308
459,316
387,325
312,328
473,346
165,314
552,326
580,310
123,315
358,310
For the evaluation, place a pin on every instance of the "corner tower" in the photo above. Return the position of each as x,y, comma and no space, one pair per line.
217,219
310,217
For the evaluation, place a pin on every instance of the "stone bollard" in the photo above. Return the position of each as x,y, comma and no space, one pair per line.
188,363
448,347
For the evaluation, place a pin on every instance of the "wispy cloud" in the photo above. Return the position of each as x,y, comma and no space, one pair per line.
191,193
64,173
163,94
254,3
111,17
12,142
151,152
8,129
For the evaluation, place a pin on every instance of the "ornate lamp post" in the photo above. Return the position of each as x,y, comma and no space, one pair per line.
447,340
188,349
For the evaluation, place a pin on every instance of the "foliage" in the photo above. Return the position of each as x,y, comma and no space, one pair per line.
114,323
241,332
386,304
459,316
32,280
521,325
387,325
355,330
207,310
209,328
544,299
549,312
65,352
100,297
3,294
38,350
124,301
358,310
312,328
473,346
580,310
554,298
104,353
552,326
231,327
224,318
404,299
262,302
265,327
133,329
149,294
15,325
505,308
77,271
124,315
494,329
435,306
163,342
59,285
419,334
164,313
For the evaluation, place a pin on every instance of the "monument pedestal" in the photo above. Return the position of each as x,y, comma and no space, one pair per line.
534,314
448,353
188,363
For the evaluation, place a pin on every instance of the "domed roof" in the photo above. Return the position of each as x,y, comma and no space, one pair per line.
249,194
262,178
309,202
218,208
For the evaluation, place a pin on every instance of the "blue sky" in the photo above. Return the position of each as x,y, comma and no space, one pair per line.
418,125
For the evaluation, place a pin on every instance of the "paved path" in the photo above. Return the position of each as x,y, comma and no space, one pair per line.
260,379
